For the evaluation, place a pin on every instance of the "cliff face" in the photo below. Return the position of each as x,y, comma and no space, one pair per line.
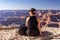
12,34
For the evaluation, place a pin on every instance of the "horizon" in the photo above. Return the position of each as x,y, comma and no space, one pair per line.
25,9
27,4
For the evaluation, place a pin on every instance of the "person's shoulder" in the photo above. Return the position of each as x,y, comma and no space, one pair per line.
28,18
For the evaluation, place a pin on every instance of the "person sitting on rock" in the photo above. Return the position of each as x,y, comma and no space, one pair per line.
33,23
33,26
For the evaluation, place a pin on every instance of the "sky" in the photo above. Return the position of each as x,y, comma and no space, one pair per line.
27,4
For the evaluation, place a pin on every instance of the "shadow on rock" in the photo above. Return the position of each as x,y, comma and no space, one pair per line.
46,35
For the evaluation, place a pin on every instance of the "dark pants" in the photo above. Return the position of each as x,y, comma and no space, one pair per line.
23,30
32,32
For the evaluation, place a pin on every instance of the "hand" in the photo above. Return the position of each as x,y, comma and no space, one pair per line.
41,33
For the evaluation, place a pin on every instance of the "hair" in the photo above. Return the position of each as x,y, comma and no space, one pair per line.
32,10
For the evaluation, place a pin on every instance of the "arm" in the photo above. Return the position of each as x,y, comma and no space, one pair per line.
39,26
27,19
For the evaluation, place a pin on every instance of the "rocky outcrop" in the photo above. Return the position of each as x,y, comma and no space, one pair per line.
12,34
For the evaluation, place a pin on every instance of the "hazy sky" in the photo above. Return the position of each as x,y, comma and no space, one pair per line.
27,4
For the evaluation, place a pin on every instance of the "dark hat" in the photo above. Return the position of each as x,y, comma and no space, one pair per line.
32,9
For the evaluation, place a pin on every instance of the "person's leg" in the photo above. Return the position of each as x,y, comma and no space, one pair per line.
22,29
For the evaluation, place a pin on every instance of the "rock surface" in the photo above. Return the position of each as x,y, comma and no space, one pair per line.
50,33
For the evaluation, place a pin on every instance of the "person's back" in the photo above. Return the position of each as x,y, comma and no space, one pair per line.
32,24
